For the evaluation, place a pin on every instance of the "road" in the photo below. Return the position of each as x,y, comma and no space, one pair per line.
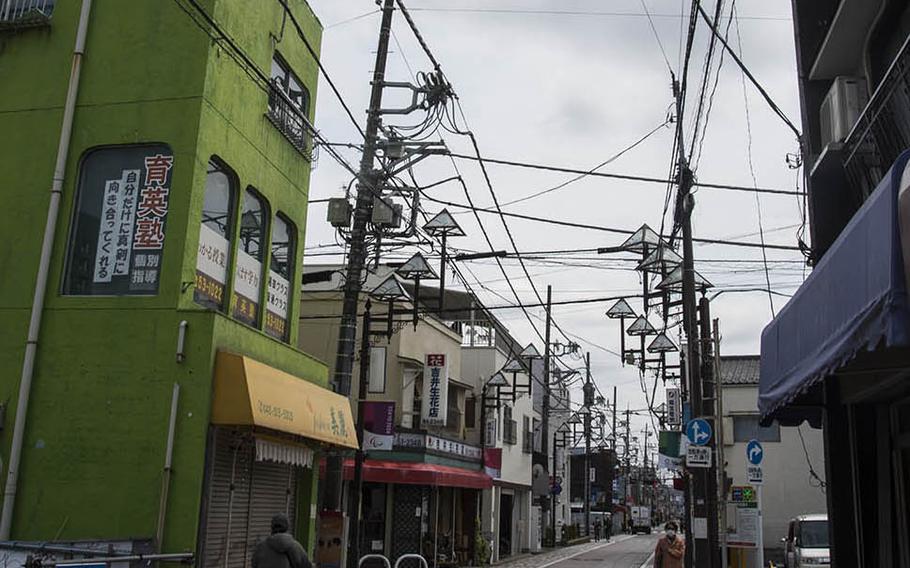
623,552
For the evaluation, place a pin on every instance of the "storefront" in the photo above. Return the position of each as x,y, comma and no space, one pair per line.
838,356
266,427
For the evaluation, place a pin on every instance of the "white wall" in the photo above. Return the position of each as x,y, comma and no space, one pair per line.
788,489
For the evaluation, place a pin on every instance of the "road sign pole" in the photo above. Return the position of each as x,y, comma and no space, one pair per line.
760,545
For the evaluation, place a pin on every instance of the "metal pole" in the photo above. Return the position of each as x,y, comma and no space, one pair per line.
627,489
587,492
721,459
359,456
47,250
710,410
545,426
442,276
367,188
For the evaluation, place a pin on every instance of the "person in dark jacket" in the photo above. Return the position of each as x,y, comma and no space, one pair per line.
280,550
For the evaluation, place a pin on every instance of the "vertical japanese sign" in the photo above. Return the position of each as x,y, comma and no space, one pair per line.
378,425
117,241
435,389
211,265
247,283
276,307
674,407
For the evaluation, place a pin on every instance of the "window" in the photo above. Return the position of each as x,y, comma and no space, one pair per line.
289,104
377,370
213,255
248,270
117,238
509,427
527,440
745,428
281,268
470,412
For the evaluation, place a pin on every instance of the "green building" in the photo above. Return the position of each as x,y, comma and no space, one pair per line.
172,259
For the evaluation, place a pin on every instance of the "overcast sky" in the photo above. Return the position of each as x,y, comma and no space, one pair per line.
572,90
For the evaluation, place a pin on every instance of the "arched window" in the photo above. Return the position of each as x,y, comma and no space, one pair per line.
281,275
215,232
250,250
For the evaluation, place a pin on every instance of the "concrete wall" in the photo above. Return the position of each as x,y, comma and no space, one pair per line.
788,489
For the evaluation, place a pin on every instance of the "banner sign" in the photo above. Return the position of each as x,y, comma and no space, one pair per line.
435,390
211,266
698,456
492,462
674,407
435,444
378,425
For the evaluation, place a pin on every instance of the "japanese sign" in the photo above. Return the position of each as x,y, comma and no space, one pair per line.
435,389
437,445
378,425
754,474
492,462
211,265
247,284
118,238
276,306
698,456
674,407
745,529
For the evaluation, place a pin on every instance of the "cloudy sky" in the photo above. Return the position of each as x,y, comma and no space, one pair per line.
571,83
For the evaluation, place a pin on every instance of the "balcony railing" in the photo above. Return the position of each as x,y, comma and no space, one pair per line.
25,13
289,120
883,130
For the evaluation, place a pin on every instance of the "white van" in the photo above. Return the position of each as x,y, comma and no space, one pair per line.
806,543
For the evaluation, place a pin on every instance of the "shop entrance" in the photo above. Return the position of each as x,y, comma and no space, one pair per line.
506,503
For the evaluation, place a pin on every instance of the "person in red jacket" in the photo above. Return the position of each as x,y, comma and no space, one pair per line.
670,548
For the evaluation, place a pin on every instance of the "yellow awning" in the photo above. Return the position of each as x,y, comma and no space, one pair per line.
250,393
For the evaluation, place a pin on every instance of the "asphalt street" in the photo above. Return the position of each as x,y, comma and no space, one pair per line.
623,552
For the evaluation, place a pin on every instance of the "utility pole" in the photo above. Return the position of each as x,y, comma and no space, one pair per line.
709,408
721,458
368,185
357,492
644,475
628,451
589,401
545,426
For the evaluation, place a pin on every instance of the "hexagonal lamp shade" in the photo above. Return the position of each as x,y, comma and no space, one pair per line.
513,366
643,237
672,282
621,309
529,352
662,344
498,380
641,326
443,224
662,258
416,267
390,290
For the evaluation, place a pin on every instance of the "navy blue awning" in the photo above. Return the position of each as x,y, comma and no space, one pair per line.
855,300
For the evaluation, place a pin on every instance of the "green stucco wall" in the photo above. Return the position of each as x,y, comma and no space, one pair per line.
97,420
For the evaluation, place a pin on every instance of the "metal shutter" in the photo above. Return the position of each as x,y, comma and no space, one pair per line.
227,522
274,491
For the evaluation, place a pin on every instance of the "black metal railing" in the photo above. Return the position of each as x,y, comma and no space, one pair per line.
289,120
883,130
25,13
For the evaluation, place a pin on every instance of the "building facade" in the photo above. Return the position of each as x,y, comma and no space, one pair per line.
163,406
836,355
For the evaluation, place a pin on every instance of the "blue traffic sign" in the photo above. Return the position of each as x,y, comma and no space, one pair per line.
754,452
698,431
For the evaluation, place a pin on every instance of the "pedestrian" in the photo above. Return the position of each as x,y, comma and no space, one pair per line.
280,549
596,530
670,548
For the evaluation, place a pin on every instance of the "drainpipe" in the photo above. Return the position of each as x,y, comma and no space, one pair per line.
47,245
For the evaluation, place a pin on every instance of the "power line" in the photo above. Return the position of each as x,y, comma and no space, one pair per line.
627,177
575,13
660,44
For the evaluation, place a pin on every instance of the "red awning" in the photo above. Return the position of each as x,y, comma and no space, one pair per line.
416,473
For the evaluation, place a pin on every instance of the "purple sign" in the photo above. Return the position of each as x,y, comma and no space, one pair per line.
378,425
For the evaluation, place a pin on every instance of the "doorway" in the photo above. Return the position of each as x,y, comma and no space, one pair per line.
506,502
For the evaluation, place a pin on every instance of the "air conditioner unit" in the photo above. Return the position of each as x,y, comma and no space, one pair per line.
339,212
841,108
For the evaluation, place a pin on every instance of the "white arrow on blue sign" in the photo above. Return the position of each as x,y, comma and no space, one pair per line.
698,431
754,452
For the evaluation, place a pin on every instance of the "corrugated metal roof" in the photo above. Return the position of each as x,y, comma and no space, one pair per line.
739,369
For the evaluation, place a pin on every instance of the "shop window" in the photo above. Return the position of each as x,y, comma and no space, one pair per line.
281,271
118,232
746,427
289,103
248,268
377,370
213,255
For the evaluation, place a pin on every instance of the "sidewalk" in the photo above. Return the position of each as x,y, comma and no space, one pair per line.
545,559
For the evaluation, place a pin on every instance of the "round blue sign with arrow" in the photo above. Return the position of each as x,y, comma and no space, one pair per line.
754,452
698,431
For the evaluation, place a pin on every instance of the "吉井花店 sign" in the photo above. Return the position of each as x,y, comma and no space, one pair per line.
117,242
435,389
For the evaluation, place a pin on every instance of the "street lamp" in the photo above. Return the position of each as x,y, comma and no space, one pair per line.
621,310
442,226
416,268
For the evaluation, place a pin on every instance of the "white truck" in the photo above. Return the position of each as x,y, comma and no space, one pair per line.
641,520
